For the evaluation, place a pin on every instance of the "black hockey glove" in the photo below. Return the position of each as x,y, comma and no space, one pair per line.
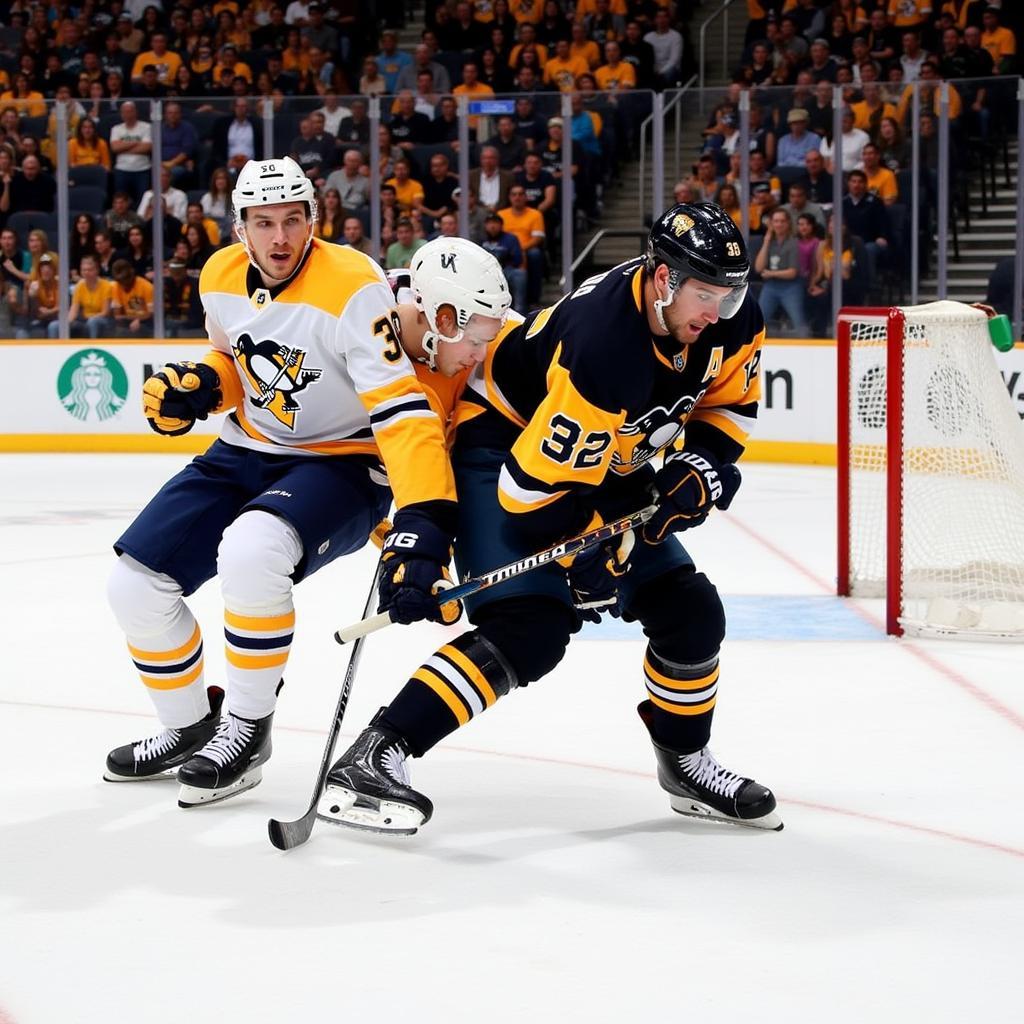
178,394
690,484
415,570
594,577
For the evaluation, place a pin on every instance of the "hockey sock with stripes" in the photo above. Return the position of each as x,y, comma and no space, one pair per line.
170,665
256,645
459,681
683,700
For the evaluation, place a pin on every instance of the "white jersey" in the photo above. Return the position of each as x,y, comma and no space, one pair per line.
321,368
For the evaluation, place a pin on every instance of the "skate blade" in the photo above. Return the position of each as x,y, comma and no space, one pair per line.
170,773
695,809
193,796
351,810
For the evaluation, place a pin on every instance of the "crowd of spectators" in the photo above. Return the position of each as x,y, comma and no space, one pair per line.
216,65
877,52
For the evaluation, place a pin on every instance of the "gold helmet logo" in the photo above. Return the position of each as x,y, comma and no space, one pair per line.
681,223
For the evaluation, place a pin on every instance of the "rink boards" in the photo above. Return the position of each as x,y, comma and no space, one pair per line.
76,396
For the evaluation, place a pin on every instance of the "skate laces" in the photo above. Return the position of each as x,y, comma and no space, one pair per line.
229,740
702,768
393,762
155,746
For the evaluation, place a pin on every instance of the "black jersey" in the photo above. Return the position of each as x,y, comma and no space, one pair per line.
583,390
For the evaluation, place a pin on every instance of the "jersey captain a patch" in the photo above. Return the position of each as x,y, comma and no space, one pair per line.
276,373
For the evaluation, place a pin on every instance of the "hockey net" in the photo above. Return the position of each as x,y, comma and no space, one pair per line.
931,472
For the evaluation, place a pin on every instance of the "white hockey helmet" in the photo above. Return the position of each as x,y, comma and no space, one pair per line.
265,183
459,273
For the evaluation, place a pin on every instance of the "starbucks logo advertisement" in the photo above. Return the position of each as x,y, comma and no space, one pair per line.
92,385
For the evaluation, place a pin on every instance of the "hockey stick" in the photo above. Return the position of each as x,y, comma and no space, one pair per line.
472,584
270,389
286,835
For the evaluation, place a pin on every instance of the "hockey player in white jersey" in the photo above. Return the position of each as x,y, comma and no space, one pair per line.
326,422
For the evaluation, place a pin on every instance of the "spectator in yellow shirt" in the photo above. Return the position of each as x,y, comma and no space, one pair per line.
132,302
910,14
585,8
408,191
89,315
853,14
48,144
165,61
195,214
562,70
1000,42
527,224
229,62
868,114
472,88
25,100
483,11
881,181
964,12
931,96
615,74
88,148
527,37
583,47
527,10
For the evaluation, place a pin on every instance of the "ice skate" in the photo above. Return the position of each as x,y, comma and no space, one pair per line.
160,756
229,764
368,787
699,787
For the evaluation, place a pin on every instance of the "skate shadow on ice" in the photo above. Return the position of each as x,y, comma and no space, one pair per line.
491,848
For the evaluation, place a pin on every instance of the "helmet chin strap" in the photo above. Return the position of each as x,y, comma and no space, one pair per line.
431,340
661,304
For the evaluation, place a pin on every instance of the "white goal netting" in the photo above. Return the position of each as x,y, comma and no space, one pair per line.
962,475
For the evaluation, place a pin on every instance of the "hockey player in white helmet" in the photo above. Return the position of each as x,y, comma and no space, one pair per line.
326,422
453,301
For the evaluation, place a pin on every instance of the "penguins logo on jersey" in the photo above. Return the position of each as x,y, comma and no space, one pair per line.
276,373
655,430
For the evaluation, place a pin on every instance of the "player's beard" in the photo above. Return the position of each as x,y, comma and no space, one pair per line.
684,329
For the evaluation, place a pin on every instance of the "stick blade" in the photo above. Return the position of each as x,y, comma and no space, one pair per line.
286,835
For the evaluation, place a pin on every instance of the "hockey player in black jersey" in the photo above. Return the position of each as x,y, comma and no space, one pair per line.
557,431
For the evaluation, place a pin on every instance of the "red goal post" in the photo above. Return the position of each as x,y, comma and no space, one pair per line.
930,458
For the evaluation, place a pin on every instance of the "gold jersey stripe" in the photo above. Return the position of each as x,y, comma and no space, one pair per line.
176,655
227,374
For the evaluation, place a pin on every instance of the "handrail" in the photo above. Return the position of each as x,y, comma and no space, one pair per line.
601,235
688,84
702,45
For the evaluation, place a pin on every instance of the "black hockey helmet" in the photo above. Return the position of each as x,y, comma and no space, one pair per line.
700,240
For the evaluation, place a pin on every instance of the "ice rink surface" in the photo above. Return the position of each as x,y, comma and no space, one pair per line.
554,883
